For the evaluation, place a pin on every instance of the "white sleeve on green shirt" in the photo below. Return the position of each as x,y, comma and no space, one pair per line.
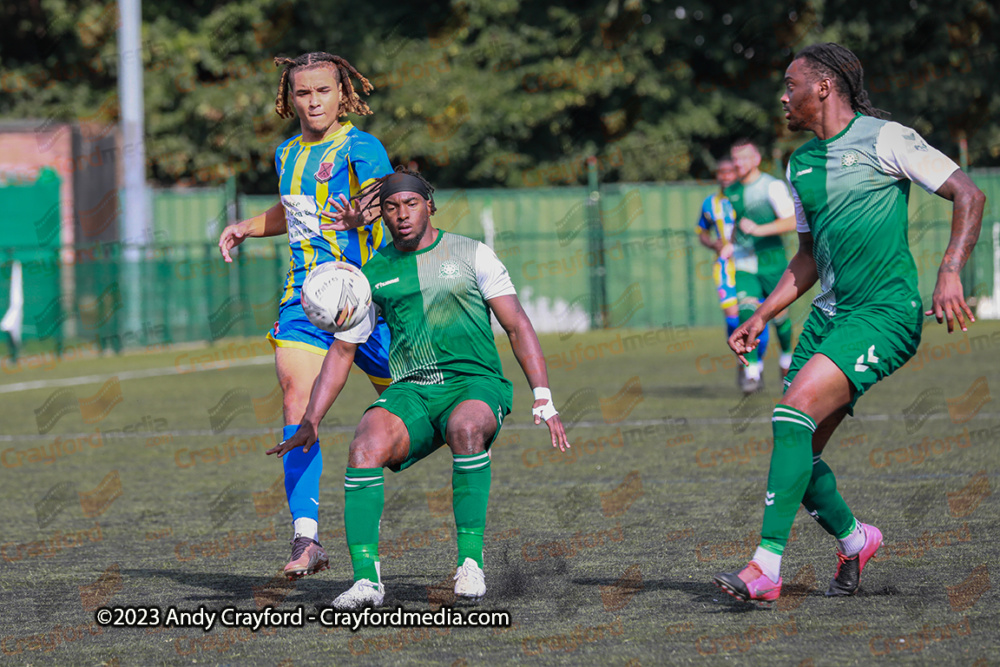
781,202
903,153
801,224
491,274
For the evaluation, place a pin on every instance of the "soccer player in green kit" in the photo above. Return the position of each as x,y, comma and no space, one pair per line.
436,291
850,186
764,211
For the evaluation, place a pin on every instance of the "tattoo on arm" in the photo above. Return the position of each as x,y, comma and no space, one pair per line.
966,220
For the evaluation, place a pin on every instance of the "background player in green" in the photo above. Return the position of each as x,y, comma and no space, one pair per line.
850,186
436,291
764,211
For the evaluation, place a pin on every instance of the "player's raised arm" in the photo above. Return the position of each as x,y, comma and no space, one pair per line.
528,352
948,301
269,223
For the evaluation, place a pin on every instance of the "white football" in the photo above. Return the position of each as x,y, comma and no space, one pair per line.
336,296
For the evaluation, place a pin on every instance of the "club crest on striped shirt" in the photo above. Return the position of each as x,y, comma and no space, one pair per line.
449,269
849,159
324,172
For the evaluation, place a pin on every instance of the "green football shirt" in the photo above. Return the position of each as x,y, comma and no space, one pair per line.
850,192
765,200
434,302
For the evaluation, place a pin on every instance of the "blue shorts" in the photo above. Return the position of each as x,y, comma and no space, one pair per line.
724,272
293,329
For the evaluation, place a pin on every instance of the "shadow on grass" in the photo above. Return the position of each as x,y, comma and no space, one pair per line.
702,592
250,591
246,591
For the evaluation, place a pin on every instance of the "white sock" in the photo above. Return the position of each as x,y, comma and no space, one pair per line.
785,360
305,527
760,366
752,372
853,543
769,562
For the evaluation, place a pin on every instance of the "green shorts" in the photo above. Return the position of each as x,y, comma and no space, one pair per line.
867,345
755,287
749,293
425,409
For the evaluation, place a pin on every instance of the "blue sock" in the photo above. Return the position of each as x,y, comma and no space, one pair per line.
731,324
302,473
762,345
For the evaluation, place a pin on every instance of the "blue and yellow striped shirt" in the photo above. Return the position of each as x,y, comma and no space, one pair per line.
309,173
717,215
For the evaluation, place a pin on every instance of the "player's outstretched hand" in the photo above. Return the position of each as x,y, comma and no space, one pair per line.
543,406
949,303
305,438
346,215
727,251
744,339
231,236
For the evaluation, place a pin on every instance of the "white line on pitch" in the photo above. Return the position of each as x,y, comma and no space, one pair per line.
128,375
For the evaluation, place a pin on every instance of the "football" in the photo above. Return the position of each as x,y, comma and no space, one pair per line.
336,296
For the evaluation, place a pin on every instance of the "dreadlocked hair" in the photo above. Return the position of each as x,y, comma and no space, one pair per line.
833,61
369,195
352,102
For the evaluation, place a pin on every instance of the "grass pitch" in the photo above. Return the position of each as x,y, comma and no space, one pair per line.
141,480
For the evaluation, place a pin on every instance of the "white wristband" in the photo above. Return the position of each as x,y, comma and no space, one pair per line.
542,393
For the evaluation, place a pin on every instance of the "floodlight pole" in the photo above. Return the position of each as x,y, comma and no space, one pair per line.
135,224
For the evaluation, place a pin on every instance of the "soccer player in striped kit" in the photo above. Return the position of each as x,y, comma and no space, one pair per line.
850,186
436,291
319,170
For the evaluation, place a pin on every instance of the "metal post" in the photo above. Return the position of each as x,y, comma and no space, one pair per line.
595,248
135,228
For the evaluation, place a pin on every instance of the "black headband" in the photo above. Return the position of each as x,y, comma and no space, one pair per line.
400,182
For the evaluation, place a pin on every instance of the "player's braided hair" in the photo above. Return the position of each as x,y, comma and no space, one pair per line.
352,102
833,61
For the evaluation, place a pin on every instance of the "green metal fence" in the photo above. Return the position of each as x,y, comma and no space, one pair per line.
625,257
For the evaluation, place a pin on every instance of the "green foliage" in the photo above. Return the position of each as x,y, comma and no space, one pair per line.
483,93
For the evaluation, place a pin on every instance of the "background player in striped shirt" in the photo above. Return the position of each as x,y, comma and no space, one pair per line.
850,186
764,212
319,170
436,291
715,231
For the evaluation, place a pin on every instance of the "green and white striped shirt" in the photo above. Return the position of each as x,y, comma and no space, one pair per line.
434,302
850,192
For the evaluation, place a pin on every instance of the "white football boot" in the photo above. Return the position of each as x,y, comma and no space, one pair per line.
470,582
364,593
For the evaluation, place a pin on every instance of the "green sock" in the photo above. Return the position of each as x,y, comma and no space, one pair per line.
783,325
825,504
470,484
364,497
791,464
